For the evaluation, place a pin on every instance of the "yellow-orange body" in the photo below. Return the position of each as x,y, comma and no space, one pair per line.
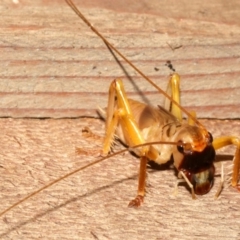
137,123
157,124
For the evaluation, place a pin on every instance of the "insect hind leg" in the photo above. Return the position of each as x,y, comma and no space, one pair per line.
173,89
119,114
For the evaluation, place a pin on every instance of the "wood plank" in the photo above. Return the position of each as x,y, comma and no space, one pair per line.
92,204
52,65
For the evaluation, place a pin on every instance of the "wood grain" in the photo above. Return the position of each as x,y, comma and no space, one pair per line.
52,65
92,204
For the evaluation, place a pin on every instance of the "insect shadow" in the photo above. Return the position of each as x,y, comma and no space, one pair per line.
137,89
64,204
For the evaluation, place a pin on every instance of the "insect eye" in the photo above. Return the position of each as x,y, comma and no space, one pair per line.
180,147
184,148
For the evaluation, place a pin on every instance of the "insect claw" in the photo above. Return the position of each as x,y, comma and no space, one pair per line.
194,196
137,202
102,153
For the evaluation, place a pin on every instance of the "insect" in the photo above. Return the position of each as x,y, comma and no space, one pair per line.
156,133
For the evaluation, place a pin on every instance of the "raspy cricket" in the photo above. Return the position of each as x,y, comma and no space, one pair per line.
156,133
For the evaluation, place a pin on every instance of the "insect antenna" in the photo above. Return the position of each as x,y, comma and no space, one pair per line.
75,9
82,168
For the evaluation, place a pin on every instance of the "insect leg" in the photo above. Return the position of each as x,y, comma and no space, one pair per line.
173,89
229,140
119,114
138,200
191,121
111,120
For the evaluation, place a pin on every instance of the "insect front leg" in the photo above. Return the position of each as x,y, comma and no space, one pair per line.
119,115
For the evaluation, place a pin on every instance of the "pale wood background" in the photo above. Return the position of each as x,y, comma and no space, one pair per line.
53,66
93,203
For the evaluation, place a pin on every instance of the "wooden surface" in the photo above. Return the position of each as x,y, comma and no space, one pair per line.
93,203
52,65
